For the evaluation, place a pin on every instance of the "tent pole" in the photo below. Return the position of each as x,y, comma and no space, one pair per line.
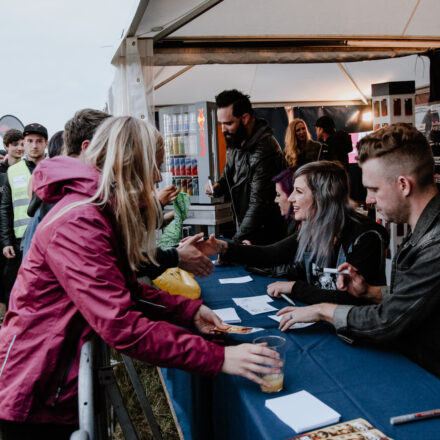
186,18
363,97
411,17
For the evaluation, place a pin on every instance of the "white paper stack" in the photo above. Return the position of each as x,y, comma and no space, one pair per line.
255,304
302,411
228,315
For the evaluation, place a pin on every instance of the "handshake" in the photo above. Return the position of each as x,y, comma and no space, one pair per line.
194,253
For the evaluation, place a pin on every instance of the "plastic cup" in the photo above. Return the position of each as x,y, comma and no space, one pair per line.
278,344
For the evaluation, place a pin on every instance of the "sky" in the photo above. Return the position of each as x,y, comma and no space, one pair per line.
55,56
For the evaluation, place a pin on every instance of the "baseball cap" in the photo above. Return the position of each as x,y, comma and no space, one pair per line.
35,129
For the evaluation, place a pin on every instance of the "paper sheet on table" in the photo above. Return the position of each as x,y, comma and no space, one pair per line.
293,326
235,280
228,315
302,411
255,304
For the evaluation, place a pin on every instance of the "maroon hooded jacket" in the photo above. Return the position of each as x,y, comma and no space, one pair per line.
74,282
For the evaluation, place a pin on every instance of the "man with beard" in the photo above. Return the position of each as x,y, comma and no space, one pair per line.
398,172
253,159
15,201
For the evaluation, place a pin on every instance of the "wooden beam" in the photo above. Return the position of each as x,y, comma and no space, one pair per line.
169,79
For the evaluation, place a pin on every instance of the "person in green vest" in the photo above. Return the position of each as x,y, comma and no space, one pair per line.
15,201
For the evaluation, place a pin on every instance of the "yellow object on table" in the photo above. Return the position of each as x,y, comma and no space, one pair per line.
177,281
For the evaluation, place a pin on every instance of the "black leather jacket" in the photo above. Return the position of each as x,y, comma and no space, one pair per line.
408,316
247,181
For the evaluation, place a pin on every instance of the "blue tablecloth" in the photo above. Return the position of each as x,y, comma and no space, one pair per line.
357,381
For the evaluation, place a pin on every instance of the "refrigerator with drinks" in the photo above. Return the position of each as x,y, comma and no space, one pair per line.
194,150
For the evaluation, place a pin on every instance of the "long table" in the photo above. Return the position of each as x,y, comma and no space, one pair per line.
357,381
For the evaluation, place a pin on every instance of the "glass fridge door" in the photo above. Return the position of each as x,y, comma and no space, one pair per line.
191,152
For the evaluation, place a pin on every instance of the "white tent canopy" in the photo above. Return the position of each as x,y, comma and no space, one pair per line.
301,52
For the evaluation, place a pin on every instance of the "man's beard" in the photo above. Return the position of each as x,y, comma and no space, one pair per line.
234,140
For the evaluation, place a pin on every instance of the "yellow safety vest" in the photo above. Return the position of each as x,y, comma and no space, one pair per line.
19,176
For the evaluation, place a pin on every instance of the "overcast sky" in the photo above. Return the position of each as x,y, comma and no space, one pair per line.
55,56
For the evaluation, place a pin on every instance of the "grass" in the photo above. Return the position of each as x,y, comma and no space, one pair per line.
150,380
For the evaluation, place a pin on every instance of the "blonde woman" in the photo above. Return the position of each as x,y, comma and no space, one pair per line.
299,146
77,279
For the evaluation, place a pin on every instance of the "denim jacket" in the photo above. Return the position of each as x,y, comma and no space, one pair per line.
408,316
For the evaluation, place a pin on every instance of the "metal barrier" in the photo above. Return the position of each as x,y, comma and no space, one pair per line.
94,422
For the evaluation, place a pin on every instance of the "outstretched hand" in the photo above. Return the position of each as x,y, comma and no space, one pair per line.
205,320
212,246
192,259
248,360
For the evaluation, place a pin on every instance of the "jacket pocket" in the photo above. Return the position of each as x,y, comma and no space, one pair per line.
62,381
8,352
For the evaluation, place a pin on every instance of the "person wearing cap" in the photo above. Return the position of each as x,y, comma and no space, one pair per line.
15,201
335,144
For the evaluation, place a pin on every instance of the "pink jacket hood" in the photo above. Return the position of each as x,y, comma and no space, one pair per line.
56,177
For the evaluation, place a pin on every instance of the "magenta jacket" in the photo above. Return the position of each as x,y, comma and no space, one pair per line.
72,283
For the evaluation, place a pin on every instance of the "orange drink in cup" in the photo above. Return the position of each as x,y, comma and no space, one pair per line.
278,344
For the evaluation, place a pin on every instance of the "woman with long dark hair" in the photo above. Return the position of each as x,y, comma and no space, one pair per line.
331,233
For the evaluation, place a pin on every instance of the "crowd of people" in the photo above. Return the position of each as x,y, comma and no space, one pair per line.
78,230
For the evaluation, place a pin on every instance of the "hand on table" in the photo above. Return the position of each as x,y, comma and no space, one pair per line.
355,284
292,315
205,320
167,195
8,252
248,360
279,287
316,312
192,259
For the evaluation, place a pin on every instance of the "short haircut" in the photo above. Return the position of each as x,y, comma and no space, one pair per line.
55,144
240,103
405,150
11,136
81,128
326,123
